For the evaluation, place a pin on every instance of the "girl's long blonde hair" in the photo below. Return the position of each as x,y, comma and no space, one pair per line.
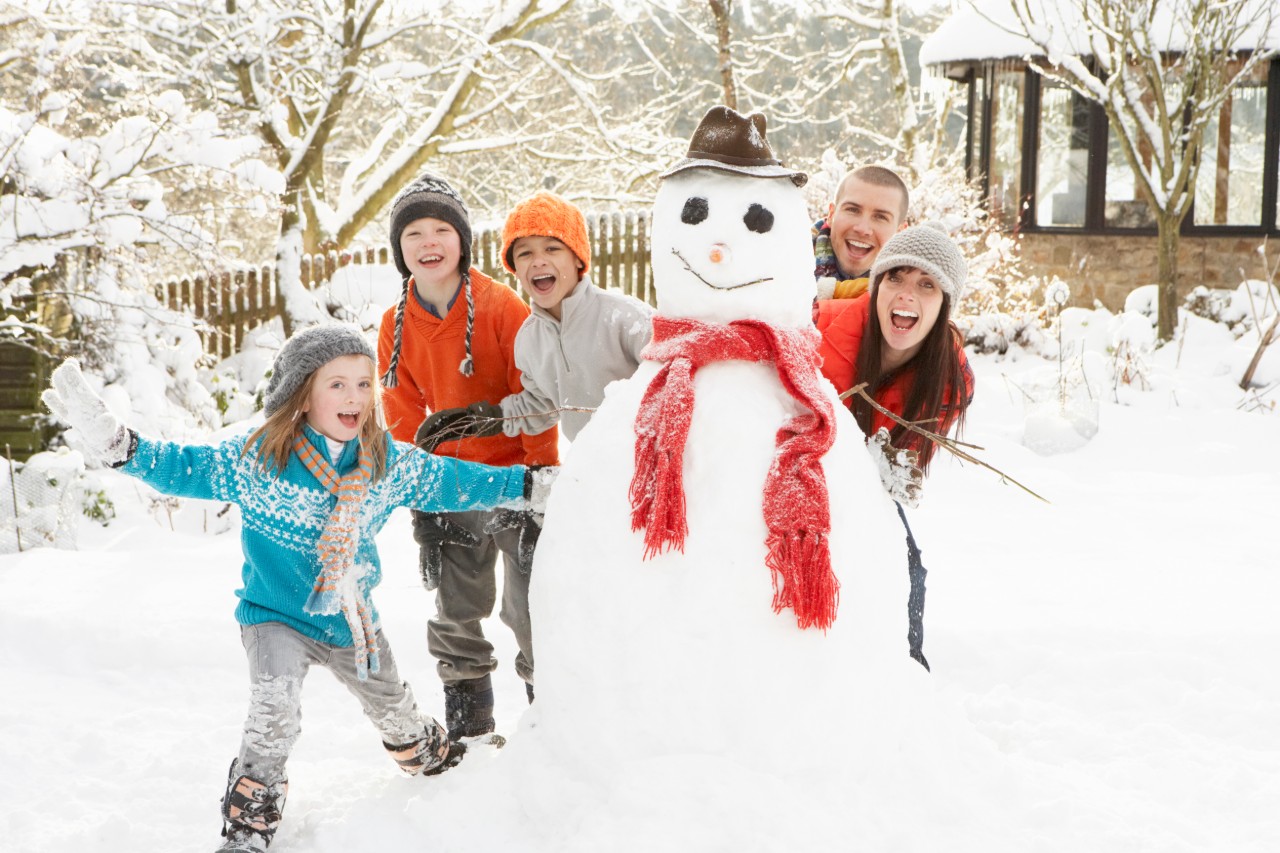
273,441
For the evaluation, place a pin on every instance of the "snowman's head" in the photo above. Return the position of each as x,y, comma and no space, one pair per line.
728,246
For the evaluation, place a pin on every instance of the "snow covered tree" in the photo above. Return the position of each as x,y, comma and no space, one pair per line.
1162,72
86,225
356,98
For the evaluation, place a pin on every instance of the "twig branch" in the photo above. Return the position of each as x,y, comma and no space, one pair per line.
952,446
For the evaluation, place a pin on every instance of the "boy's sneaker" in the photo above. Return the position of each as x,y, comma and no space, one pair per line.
468,707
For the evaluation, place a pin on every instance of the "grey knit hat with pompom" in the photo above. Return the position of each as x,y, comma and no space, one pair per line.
926,247
305,353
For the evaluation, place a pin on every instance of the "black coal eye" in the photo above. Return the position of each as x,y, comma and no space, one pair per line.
695,210
758,219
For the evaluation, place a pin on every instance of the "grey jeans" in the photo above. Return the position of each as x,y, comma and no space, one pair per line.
279,658
467,594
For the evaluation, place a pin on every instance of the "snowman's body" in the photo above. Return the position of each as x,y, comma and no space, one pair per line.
682,653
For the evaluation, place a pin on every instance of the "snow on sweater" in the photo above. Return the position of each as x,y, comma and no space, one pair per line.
568,362
284,515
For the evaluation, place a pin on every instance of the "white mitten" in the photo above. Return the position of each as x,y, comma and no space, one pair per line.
899,472
537,487
73,402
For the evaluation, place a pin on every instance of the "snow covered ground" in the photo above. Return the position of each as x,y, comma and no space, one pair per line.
1114,648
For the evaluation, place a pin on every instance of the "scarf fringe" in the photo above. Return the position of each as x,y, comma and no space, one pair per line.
800,562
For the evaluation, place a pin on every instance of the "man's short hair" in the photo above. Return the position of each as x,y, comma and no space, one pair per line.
881,177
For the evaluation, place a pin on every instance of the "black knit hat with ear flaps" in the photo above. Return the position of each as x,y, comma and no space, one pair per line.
430,196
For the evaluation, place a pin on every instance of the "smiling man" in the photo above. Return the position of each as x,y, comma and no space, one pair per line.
870,206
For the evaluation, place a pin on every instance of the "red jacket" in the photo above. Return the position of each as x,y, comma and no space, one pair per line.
843,324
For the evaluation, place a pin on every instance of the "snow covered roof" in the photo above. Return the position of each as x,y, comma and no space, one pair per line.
989,29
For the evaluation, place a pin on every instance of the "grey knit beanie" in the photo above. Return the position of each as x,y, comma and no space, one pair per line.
305,353
926,247
433,196
430,195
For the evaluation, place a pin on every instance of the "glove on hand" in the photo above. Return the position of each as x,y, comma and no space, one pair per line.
528,523
73,402
479,420
537,486
432,531
899,472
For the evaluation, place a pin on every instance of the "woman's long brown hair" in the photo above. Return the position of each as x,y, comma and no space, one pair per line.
936,370
273,441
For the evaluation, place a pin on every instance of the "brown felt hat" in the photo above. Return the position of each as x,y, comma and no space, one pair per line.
728,141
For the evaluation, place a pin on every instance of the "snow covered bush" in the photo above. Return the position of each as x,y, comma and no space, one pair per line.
44,499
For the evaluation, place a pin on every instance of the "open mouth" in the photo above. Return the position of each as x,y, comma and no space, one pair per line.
543,283
696,275
903,321
857,249
350,420
428,260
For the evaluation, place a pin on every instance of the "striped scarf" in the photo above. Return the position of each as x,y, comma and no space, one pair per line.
825,266
337,587
796,506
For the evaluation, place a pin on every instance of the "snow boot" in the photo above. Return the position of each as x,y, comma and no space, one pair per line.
468,707
250,812
430,755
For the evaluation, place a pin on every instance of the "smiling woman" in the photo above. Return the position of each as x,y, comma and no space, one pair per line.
899,340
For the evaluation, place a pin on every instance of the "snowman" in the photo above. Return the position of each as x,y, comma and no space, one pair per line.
720,586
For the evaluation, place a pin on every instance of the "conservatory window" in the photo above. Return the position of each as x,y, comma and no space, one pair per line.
1008,106
1124,207
977,98
1229,185
1062,165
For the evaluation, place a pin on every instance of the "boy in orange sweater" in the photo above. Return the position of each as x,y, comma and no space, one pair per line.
449,342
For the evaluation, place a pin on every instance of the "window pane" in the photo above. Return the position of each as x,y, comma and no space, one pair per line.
975,115
1124,207
1229,185
1063,165
1008,106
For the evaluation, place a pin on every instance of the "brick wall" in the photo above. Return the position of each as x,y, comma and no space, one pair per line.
1108,267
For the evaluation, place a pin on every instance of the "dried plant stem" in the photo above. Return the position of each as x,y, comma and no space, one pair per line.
13,487
955,448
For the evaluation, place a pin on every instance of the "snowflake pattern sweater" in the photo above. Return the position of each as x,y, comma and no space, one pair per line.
283,516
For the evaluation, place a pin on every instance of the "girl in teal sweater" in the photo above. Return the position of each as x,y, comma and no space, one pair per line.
315,483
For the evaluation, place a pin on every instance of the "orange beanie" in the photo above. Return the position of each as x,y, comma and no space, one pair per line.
545,214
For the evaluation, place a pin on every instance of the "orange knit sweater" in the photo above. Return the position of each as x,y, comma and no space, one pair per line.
428,377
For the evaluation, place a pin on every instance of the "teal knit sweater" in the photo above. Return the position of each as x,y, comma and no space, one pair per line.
284,515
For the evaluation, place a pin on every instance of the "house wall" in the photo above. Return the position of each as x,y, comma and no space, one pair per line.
1107,267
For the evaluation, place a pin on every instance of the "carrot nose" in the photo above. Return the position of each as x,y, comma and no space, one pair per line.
719,253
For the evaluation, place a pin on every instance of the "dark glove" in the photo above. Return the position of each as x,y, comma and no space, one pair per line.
529,525
899,472
432,531
479,420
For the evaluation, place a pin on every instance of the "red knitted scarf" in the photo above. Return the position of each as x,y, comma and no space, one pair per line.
797,511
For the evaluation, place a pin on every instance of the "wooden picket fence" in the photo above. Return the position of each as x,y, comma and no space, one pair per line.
233,303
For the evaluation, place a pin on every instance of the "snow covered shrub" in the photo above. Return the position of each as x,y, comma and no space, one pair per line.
1133,337
43,499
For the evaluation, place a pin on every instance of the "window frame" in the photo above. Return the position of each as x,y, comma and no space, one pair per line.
1098,130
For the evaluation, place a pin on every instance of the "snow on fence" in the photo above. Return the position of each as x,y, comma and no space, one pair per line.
232,303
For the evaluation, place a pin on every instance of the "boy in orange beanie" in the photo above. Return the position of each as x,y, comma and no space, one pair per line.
577,340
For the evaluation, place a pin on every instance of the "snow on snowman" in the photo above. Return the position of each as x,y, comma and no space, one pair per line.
720,574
